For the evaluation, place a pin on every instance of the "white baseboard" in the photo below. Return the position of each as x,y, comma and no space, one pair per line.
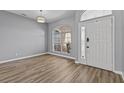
4,61
123,76
77,62
120,73
22,58
61,55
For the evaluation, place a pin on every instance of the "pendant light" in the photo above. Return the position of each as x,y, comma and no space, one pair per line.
41,19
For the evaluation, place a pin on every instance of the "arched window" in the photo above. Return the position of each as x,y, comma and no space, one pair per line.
90,14
62,39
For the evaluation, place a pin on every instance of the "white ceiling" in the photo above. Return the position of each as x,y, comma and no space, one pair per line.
50,15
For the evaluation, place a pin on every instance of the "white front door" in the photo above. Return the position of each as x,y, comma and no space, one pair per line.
98,46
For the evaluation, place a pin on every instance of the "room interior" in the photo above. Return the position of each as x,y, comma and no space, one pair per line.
61,46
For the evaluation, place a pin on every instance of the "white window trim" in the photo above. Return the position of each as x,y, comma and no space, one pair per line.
60,52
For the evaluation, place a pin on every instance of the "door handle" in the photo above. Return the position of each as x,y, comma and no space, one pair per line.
87,46
88,39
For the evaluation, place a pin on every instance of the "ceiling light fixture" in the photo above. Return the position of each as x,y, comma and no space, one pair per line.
41,19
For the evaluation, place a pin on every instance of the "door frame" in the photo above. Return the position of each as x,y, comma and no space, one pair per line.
113,39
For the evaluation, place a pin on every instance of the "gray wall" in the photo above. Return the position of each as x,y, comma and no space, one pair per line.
77,36
118,39
20,37
69,21
123,42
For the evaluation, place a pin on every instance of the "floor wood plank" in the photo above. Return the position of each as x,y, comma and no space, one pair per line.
54,69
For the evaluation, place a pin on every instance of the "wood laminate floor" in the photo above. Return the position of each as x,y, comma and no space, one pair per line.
49,68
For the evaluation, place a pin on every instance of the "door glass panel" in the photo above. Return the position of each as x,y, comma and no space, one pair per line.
57,47
62,39
83,42
57,40
66,42
57,36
